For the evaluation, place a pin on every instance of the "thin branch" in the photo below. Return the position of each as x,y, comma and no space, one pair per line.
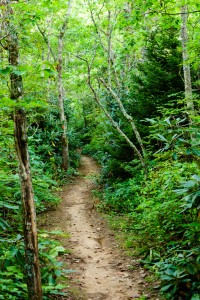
109,48
66,21
172,14
108,35
47,43
96,27
3,37
125,114
34,131
114,124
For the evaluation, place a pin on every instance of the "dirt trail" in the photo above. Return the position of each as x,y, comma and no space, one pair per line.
101,272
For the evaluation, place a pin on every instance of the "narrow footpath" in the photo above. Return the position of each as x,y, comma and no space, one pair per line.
101,271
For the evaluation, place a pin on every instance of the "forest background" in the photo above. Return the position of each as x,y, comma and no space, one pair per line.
119,79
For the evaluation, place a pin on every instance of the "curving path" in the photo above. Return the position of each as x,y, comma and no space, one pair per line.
101,271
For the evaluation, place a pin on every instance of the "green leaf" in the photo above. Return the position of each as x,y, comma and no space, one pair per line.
161,137
196,177
50,71
195,151
195,297
7,205
58,272
168,120
188,151
18,72
152,121
166,277
175,156
191,269
6,71
169,272
3,224
166,287
69,271
51,280
188,184
180,191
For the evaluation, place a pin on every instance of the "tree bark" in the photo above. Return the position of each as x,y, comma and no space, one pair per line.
29,216
59,67
125,114
109,117
65,148
186,64
109,34
32,267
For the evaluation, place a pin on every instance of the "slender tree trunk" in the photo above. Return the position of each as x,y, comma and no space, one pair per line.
109,34
65,148
122,134
126,115
29,217
49,58
114,124
59,61
20,134
186,64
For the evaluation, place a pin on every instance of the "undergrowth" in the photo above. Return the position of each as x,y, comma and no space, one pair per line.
12,277
157,215
47,177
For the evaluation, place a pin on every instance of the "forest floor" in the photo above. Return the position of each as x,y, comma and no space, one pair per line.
102,270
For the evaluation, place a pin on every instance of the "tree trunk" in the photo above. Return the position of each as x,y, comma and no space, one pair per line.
29,218
65,148
59,61
59,67
114,124
126,115
186,64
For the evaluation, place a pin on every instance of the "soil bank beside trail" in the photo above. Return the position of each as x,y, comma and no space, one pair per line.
101,272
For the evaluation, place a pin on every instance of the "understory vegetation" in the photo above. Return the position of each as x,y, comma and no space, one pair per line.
47,177
157,214
119,80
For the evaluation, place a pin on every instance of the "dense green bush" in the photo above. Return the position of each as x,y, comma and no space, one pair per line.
158,213
45,144
43,147
12,278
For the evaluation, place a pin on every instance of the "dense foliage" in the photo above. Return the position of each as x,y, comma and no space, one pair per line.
47,176
125,103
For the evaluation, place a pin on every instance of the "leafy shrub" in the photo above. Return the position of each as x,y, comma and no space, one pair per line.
12,278
160,216
121,197
45,144
179,273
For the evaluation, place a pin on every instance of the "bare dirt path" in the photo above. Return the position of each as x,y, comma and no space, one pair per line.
101,272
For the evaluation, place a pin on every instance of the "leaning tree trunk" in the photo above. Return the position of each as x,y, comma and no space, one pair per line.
20,134
186,64
109,117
